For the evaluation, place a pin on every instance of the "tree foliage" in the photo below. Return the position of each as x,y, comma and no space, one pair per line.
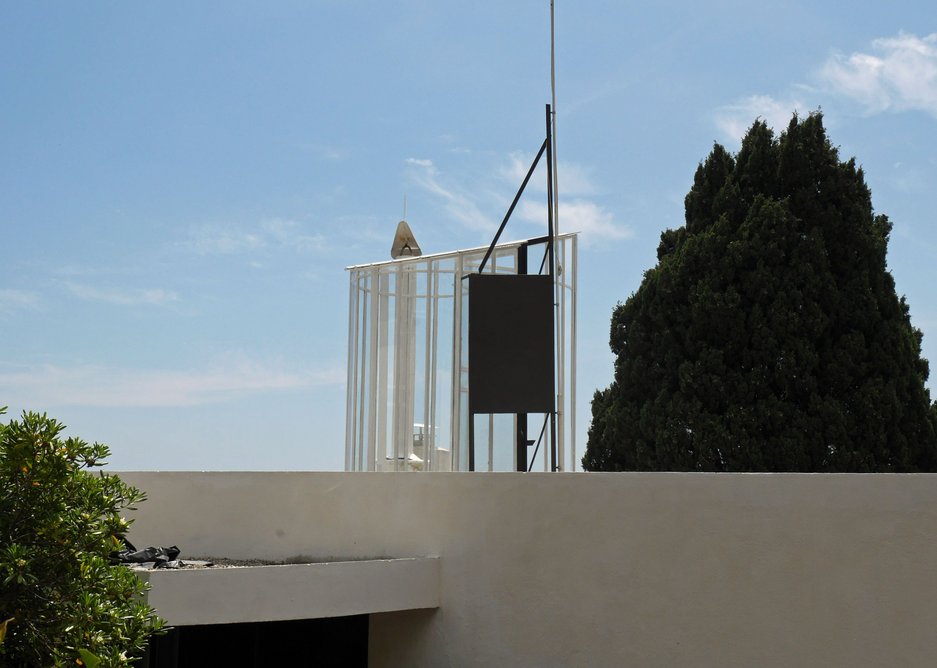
61,602
769,337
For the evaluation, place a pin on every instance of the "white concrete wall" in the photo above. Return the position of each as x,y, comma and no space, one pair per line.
292,591
600,569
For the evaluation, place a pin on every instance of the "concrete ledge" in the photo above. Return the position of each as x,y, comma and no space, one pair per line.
293,591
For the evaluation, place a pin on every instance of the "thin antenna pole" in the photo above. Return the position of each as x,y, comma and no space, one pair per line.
404,207
556,208
560,334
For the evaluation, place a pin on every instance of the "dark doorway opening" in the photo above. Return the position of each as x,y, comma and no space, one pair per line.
333,642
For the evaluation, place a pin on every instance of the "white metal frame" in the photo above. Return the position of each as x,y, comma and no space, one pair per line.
401,315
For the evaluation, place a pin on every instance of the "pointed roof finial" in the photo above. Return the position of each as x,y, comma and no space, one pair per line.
405,244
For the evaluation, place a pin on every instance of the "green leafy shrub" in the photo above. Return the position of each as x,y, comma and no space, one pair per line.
61,601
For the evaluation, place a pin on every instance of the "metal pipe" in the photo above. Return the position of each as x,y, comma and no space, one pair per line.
544,146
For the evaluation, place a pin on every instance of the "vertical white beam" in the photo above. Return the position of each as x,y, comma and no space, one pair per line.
573,285
363,401
561,358
403,364
406,442
427,360
491,442
491,417
430,437
372,363
350,397
455,445
361,362
383,351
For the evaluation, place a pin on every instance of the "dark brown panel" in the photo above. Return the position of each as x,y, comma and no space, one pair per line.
510,344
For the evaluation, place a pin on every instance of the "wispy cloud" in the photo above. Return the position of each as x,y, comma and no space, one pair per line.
216,240
270,233
459,206
577,213
17,300
900,74
122,297
572,178
595,223
323,151
51,385
733,120
290,234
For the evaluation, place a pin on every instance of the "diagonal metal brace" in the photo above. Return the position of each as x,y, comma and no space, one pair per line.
517,197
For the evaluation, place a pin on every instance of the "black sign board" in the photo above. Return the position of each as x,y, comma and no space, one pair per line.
510,343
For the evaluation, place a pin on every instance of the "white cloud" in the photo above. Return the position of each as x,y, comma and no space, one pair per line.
331,153
900,76
516,168
88,385
216,240
17,300
572,179
457,205
735,119
289,234
577,214
152,296
269,233
591,220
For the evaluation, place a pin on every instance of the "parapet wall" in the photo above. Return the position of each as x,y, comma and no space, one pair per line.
599,569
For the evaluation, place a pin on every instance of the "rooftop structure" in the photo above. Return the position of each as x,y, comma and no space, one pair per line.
408,403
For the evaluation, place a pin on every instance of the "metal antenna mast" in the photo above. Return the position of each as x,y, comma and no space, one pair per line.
557,275
556,209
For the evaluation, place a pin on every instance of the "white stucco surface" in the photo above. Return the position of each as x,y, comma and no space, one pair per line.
292,591
599,569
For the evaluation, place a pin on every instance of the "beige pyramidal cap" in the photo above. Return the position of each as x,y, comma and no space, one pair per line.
405,244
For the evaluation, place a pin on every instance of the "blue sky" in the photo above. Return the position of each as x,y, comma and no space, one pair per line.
182,184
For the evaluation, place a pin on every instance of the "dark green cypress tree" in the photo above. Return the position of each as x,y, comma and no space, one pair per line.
769,337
